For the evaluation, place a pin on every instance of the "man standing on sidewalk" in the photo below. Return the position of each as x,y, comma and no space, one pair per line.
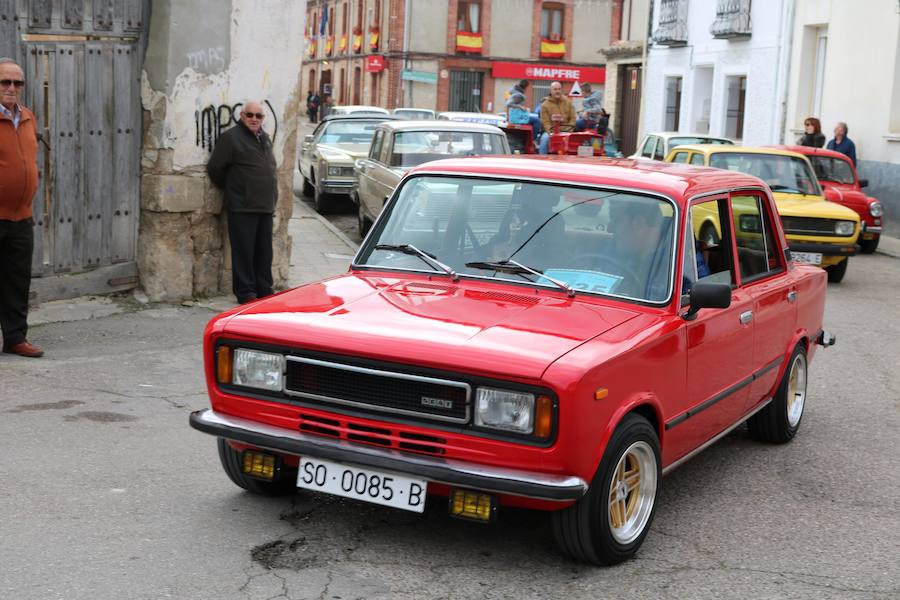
242,163
18,182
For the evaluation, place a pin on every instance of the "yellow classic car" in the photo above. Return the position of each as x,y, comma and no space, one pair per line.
819,232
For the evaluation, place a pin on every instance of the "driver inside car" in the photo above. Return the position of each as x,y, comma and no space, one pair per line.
636,254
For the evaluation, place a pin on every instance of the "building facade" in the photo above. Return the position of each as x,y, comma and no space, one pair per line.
833,78
625,70
718,67
395,53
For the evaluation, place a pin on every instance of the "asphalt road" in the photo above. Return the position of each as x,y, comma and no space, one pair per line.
105,492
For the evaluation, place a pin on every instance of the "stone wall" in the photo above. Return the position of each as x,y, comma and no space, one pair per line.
205,59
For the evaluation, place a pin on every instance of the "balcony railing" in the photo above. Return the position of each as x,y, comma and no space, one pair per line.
732,19
672,30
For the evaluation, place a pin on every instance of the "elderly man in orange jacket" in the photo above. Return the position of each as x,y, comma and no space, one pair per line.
18,182
556,109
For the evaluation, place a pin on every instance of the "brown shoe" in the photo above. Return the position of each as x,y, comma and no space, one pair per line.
25,349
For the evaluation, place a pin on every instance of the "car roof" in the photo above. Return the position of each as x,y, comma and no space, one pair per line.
718,148
360,117
474,115
361,108
434,125
677,181
670,134
410,108
810,151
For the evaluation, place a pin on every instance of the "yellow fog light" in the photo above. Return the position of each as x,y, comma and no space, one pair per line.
260,465
476,506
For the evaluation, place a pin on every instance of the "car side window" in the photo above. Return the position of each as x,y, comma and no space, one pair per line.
680,157
386,148
660,152
377,142
709,224
647,150
757,252
697,159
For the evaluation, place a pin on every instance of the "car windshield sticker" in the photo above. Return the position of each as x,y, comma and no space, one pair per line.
588,281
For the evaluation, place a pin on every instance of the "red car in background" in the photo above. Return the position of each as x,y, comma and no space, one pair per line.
842,185
543,333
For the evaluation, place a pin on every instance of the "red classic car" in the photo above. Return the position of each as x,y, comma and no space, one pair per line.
842,185
535,332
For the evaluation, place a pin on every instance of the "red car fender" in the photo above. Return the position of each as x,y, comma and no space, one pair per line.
801,336
636,401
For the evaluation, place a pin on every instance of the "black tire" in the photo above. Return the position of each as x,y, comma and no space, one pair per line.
584,531
285,484
362,222
322,202
307,187
779,421
869,246
836,272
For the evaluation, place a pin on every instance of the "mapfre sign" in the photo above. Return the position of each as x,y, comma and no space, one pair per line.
375,63
509,70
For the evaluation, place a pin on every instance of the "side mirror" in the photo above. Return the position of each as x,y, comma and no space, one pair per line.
708,295
863,183
308,139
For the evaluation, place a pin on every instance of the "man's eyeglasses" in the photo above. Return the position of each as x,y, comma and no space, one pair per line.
8,82
254,115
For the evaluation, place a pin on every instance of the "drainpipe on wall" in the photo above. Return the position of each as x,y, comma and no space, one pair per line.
407,17
785,51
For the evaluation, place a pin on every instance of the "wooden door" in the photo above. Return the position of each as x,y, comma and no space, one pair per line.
629,107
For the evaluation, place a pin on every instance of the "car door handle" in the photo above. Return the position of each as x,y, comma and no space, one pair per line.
746,317
792,296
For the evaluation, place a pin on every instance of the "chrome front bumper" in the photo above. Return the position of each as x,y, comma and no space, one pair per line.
497,480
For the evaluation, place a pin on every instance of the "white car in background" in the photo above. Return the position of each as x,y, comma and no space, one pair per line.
473,117
414,114
400,145
656,145
356,109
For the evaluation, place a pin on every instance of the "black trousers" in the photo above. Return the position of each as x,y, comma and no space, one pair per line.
251,254
16,246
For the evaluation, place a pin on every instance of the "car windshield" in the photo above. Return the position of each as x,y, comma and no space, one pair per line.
594,241
832,169
413,148
684,141
785,174
354,132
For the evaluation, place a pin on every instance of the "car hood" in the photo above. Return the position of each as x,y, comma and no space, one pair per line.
848,196
344,152
800,205
474,327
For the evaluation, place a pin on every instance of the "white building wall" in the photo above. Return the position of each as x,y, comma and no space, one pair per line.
861,86
756,58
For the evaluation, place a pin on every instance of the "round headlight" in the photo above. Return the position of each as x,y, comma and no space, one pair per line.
875,209
334,171
844,227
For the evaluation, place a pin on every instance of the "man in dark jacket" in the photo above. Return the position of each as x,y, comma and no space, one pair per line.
841,143
243,164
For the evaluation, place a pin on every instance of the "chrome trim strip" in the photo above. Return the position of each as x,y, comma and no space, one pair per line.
874,229
502,177
380,373
498,480
715,439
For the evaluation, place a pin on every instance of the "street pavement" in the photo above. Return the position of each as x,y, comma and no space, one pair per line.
105,492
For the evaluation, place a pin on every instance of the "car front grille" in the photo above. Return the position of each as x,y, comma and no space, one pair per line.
383,391
809,226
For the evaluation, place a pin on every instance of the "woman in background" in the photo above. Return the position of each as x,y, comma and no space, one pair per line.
813,136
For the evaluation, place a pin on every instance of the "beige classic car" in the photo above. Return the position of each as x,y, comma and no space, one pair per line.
328,153
401,145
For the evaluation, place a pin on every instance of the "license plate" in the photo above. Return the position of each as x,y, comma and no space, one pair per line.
369,485
810,258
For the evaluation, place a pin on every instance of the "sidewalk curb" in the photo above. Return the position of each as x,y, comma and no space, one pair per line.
889,246
310,213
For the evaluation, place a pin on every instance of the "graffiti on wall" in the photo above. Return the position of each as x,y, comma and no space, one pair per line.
212,121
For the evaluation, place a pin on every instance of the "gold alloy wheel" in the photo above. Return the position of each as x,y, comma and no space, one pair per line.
632,492
796,390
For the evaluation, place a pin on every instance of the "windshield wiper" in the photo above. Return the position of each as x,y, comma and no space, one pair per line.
511,266
427,257
785,188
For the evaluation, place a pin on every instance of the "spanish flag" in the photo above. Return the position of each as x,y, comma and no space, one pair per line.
552,49
329,45
373,39
357,40
342,46
311,48
467,41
